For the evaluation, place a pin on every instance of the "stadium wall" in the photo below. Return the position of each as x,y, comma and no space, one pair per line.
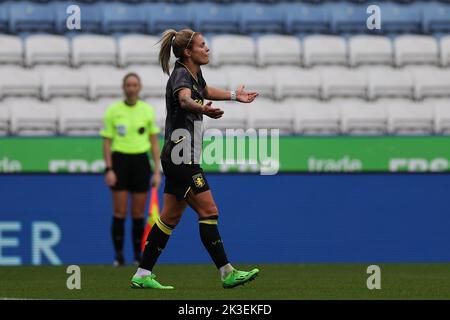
286,218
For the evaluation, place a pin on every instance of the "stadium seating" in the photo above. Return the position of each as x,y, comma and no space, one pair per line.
215,18
442,116
341,82
76,117
324,49
93,49
4,120
32,118
264,114
409,118
30,17
136,49
120,17
51,49
314,117
64,82
363,118
15,81
416,49
232,49
315,64
11,49
390,83
369,49
278,49
291,82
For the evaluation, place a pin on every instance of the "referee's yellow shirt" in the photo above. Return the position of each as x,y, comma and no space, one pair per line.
129,127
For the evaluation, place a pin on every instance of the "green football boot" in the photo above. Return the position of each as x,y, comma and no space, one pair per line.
236,278
147,282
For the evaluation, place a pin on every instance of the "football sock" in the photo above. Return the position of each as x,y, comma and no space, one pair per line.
117,231
156,242
209,234
137,232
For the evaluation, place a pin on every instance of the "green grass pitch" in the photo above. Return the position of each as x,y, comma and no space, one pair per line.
284,282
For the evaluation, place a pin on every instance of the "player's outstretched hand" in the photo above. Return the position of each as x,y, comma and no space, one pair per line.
211,112
245,97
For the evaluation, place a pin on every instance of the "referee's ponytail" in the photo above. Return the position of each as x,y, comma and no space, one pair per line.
178,41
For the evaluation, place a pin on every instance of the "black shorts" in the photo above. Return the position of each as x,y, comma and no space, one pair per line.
182,178
133,172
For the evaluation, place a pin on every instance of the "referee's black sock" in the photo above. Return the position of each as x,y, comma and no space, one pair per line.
117,231
137,232
209,234
156,242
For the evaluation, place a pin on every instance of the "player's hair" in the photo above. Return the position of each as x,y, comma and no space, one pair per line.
131,74
177,41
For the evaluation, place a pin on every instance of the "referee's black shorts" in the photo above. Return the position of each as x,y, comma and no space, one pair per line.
184,177
133,172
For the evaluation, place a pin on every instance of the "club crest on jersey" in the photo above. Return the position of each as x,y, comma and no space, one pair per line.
198,180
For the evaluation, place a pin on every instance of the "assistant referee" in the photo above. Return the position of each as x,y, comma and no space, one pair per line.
129,133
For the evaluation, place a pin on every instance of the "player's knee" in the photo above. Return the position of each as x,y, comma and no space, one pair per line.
208,211
137,214
121,214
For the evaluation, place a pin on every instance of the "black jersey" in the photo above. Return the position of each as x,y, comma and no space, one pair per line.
178,118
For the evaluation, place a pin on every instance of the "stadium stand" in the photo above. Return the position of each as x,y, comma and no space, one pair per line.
318,68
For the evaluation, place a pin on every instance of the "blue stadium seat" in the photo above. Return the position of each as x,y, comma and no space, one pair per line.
436,17
122,17
214,18
306,18
91,16
260,18
348,18
31,17
165,16
400,18
4,10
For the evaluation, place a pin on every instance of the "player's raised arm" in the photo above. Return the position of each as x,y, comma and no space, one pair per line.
186,102
239,95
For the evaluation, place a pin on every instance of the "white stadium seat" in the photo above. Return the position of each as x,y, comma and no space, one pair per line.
216,77
93,49
442,116
445,51
366,49
296,82
32,118
416,49
235,116
341,82
138,49
64,82
4,120
105,82
268,114
46,49
314,117
324,49
409,118
232,49
362,118
278,49
159,105
390,83
254,79
11,49
431,82
80,118
16,81
153,79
